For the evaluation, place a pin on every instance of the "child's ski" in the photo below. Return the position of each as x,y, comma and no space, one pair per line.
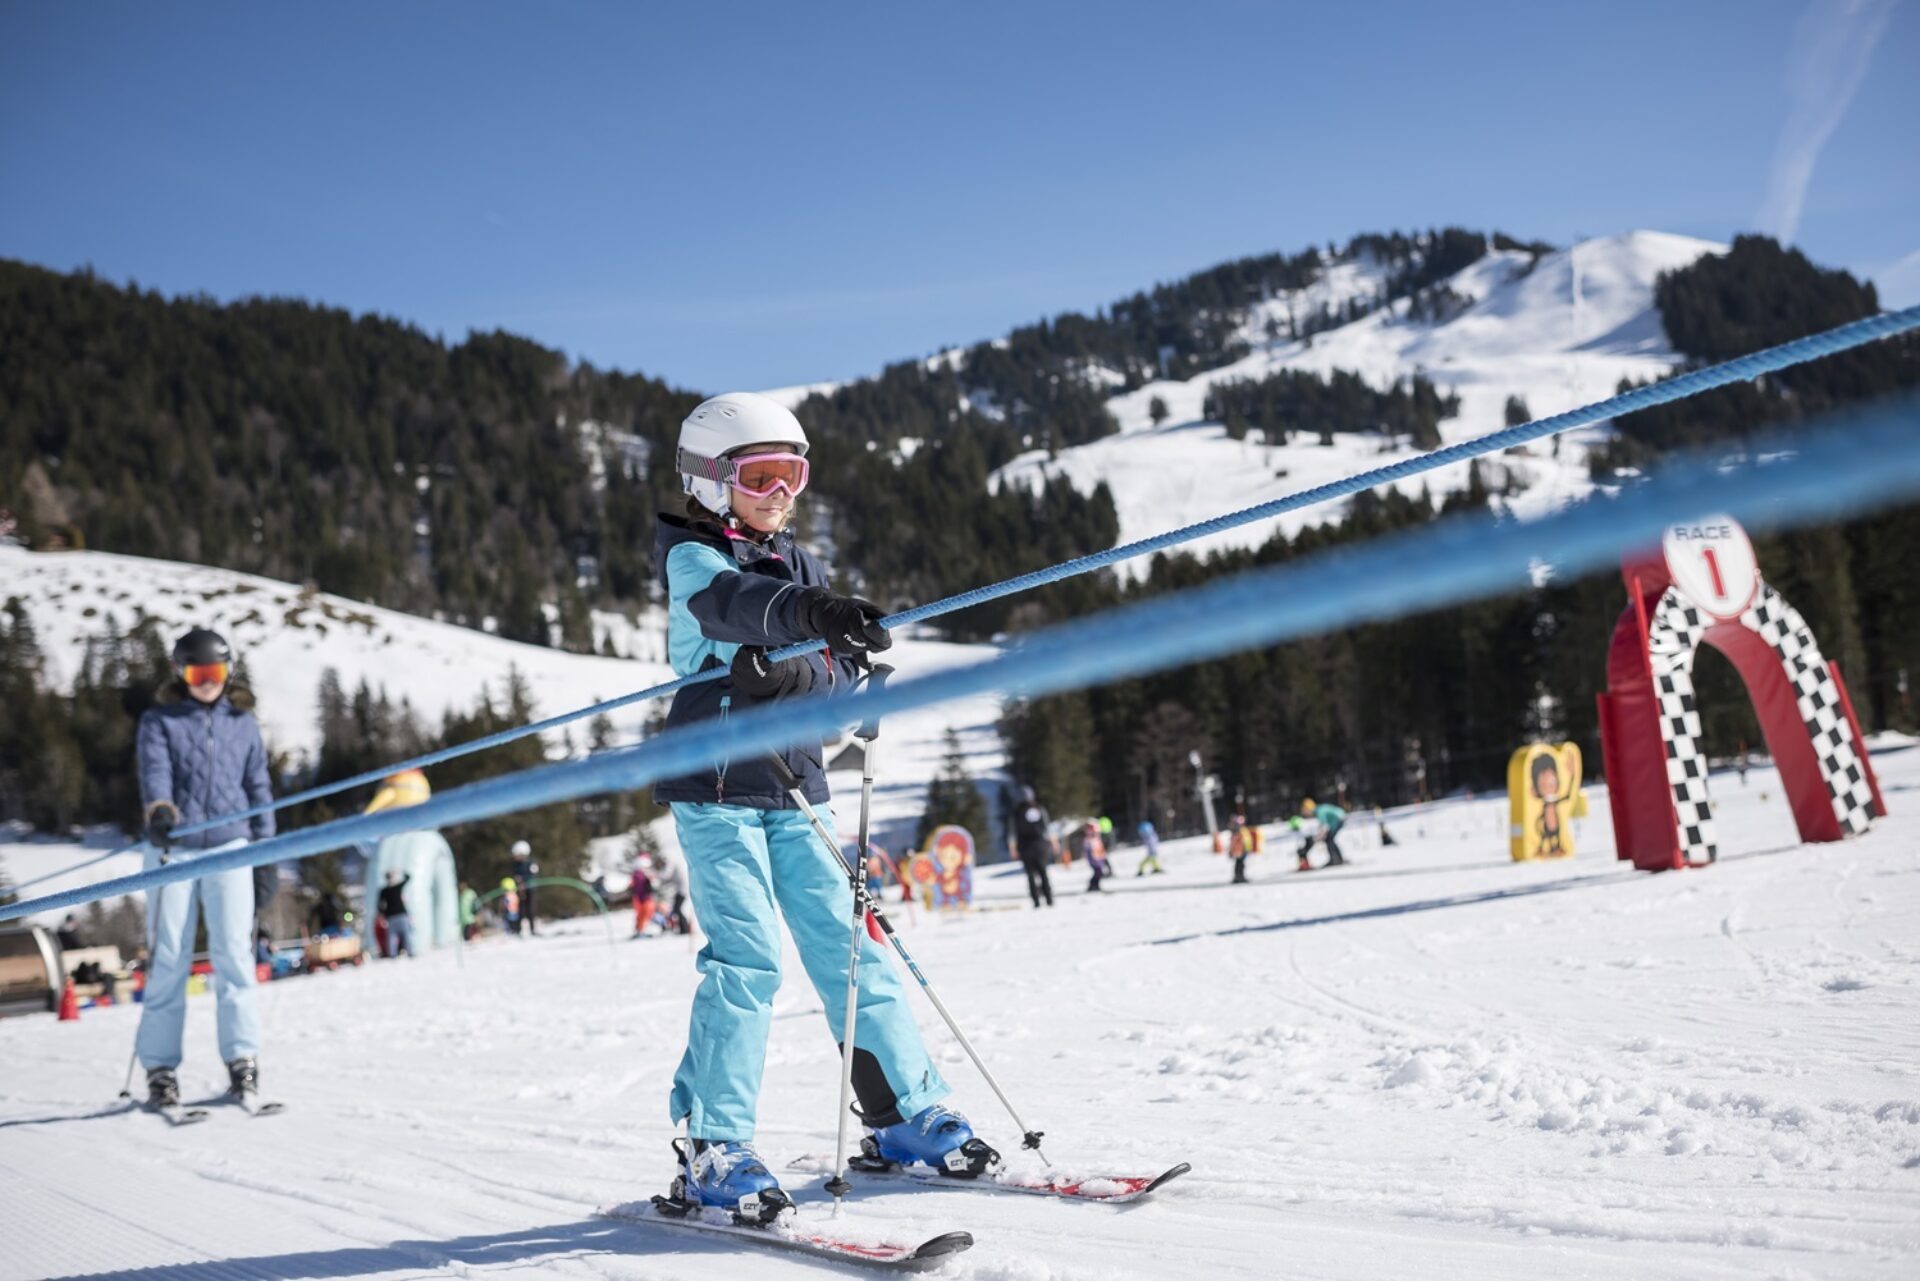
177,1115
1109,1188
820,1238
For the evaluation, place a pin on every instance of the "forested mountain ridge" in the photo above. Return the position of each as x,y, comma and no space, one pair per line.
492,481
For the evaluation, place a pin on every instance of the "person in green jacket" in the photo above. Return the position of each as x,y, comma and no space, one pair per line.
469,912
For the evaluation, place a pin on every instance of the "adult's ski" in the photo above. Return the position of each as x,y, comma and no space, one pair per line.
1112,1189
799,1234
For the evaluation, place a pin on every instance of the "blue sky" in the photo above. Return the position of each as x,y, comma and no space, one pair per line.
732,195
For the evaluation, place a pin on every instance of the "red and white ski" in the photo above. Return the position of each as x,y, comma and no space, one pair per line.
800,1234
1113,1189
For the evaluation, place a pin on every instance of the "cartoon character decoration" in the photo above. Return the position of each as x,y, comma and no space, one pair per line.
944,870
1543,798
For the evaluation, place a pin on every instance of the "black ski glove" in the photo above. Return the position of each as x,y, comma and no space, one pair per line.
757,677
848,625
162,818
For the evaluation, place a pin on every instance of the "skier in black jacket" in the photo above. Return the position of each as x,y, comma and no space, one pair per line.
1034,845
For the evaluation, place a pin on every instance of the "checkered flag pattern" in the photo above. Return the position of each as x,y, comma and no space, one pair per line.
1818,698
1672,638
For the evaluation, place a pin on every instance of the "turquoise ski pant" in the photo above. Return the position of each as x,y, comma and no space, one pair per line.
226,898
741,862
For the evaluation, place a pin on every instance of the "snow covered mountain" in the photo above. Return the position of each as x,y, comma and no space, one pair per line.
1558,331
289,636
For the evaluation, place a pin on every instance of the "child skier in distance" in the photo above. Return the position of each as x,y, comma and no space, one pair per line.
739,586
1239,845
1095,848
642,899
1150,842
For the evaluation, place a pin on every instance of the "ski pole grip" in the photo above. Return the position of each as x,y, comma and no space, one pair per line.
876,681
783,771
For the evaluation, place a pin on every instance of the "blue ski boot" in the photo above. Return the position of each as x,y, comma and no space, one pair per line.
936,1136
726,1174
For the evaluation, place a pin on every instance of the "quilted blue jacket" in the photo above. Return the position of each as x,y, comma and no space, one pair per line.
208,760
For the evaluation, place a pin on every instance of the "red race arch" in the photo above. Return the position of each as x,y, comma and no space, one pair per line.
1650,725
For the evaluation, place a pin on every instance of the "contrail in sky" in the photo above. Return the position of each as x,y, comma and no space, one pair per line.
1832,44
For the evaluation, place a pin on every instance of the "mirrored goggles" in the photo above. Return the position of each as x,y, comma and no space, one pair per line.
204,673
757,475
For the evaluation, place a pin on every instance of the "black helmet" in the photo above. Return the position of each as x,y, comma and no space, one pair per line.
201,646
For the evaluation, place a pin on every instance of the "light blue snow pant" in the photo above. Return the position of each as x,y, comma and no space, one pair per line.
740,862
227,900
400,934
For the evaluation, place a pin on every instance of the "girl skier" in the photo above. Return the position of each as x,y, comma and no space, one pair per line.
738,586
199,755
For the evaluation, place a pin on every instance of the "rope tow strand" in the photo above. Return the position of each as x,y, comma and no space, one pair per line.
1770,360
1866,460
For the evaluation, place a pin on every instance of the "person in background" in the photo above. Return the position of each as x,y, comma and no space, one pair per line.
199,756
670,889
69,933
1150,841
1033,845
1330,818
1095,849
509,905
469,912
524,870
263,948
325,917
642,898
393,906
1298,827
1239,845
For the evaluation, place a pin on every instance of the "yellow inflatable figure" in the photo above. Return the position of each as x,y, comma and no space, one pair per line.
1543,797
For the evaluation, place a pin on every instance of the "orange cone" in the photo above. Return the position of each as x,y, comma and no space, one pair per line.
69,1003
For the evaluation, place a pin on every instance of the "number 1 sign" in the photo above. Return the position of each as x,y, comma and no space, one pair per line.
1712,564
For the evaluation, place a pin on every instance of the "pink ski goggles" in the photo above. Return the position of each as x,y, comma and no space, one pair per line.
758,475
755,475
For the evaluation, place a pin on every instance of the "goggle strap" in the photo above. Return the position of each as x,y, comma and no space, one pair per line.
714,469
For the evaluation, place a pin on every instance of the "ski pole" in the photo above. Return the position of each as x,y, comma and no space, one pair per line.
153,925
838,1187
1029,1138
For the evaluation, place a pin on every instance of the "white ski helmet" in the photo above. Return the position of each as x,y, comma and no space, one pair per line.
521,849
721,425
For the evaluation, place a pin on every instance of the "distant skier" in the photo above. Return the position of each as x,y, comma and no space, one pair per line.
509,906
670,889
1298,827
524,870
200,756
393,906
738,587
68,934
1033,845
1095,849
1150,842
642,898
1239,845
469,912
1330,819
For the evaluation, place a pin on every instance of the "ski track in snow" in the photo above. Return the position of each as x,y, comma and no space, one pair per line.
1432,1063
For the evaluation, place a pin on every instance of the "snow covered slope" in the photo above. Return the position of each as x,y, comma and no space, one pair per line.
1433,1064
1559,333
289,637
